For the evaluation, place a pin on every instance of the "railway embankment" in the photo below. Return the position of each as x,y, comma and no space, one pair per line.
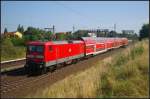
124,74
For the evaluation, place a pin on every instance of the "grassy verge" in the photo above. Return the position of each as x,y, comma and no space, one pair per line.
124,74
128,73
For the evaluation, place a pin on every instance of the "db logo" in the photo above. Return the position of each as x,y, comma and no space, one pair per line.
69,49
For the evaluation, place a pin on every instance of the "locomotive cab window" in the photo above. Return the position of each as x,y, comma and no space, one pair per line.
50,48
33,48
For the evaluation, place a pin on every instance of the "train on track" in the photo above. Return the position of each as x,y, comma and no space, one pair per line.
43,56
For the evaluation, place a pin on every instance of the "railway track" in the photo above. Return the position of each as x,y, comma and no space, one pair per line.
12,86
12,63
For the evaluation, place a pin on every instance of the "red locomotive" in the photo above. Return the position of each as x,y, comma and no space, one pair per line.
44,55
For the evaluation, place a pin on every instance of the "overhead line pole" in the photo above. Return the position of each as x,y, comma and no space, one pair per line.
53,29
115,27
73,28
115,30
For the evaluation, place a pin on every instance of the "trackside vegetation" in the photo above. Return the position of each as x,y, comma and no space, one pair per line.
124,74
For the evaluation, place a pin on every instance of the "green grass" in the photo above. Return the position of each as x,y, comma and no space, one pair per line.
121,75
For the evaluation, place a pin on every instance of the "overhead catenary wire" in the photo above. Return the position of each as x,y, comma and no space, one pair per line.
70,9
85,18
88,18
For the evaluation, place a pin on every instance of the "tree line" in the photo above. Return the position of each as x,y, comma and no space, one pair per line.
32,34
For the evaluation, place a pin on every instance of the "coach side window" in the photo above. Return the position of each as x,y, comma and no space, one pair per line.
50,48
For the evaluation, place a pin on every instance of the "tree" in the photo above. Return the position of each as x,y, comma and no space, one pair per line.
37,34
46,35
80,33
61,36
112,34
69,36
20,29
144,32
5,31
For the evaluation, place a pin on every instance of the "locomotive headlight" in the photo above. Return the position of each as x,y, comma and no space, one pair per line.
39,56
41,66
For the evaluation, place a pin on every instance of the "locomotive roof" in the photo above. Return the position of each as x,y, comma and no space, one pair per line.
53,42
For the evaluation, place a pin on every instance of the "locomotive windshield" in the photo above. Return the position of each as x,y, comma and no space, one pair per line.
33,48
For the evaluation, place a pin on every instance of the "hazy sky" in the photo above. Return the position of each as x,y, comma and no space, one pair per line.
129,15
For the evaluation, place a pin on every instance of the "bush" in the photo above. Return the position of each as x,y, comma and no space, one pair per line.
136,51
120,59
18,41
9,51
127,71
123,89
106,85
